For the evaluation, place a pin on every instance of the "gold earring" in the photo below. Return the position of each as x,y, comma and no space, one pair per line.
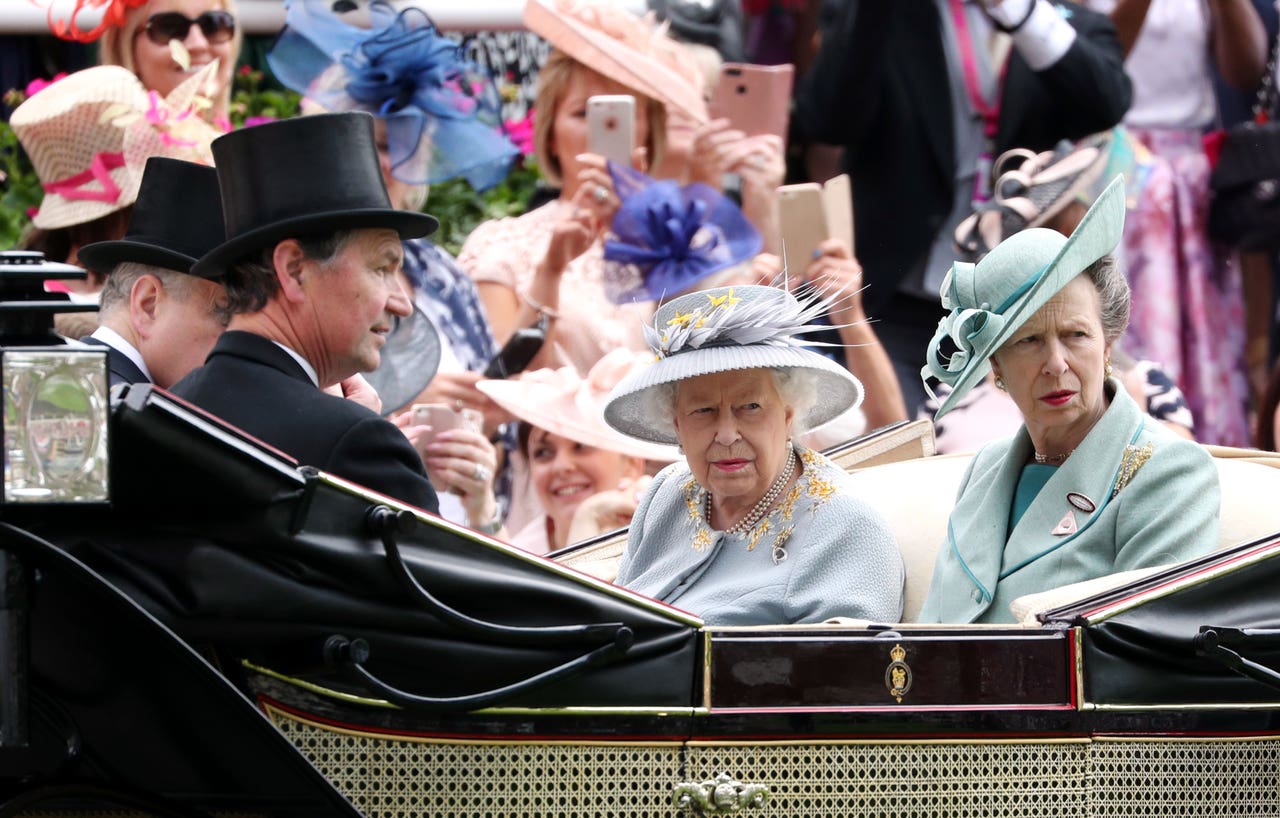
1109,370
1000,384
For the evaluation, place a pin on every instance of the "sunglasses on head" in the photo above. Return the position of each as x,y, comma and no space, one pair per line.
216,26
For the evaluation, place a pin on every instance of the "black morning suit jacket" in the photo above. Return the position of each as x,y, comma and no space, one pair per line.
119,368
879,87
251,383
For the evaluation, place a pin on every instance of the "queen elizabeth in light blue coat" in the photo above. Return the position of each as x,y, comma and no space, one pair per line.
751,529
1089,485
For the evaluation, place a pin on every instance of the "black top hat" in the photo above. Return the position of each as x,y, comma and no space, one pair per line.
176,220
299,177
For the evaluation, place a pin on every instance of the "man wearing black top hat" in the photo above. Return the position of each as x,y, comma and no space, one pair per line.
310,265
157,321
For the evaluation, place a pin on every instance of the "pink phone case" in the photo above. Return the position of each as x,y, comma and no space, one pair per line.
755,98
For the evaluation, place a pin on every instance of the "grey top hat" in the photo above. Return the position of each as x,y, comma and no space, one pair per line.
297,177
725,329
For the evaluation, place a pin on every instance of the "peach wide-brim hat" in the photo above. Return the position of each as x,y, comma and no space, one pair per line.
89,136
568,405
627,49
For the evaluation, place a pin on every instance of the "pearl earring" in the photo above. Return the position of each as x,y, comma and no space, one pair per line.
1000,384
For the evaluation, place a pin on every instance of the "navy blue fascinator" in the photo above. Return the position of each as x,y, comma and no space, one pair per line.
665,238
443,113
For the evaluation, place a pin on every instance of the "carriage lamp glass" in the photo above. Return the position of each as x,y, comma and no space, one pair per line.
55,425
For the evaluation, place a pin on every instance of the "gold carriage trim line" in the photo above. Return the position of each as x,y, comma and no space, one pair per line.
882,741
351,698
1152,708
1107,739
278,714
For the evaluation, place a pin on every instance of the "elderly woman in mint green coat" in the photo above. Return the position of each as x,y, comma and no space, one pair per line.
1089,485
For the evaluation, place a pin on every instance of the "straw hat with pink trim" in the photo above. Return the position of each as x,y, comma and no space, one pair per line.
612,41
89,136
568,405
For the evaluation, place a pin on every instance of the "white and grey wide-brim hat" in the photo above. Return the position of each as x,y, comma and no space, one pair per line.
726,329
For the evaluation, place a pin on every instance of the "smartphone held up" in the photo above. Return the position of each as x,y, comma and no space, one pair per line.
611,127
756,99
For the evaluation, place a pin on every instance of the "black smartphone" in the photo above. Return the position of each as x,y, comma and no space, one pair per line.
517,352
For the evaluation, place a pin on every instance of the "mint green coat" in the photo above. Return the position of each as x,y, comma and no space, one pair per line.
1165,511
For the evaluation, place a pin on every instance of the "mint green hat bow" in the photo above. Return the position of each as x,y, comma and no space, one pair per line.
989,301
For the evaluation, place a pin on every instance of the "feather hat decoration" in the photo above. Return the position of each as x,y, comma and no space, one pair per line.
443,113
665,237
727,329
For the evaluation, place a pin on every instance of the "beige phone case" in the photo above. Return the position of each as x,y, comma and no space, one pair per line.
804,225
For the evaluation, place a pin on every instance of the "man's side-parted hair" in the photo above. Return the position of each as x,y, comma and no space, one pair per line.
251,282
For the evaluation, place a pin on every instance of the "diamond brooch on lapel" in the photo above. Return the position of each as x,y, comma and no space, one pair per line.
1134,458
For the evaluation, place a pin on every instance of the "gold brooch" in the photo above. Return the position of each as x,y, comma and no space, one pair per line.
1134,458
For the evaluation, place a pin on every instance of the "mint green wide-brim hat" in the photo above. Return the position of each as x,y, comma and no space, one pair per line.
991,300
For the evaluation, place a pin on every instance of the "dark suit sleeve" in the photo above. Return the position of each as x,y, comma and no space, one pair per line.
377,455
838,96
1084,92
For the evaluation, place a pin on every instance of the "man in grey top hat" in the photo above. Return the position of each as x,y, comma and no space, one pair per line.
157,321
310,266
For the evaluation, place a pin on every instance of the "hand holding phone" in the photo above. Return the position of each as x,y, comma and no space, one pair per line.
611,127
441,418
810,214
756,99
517,352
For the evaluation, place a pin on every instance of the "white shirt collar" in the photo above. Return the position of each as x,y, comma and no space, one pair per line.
302,362
117,342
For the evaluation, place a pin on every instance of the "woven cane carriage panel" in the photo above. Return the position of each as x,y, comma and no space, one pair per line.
908,780
388,778
1180,777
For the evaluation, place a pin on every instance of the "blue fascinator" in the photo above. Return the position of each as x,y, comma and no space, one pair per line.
443,113
665,238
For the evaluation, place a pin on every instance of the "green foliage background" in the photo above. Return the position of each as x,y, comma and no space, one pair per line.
458,207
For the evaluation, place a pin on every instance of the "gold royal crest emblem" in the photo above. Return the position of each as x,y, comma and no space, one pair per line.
897,677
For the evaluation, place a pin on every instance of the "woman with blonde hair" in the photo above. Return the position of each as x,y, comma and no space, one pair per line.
163,42
548,263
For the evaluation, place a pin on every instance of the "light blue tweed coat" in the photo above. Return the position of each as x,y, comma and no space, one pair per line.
841,557
1156,498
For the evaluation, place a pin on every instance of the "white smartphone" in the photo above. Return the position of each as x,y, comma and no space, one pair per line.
611,127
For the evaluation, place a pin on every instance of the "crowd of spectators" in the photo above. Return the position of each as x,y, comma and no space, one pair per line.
322,271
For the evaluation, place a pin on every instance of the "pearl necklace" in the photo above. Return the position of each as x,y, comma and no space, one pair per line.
762,506
1052,459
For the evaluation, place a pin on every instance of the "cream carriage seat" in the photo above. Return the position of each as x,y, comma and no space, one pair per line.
916,495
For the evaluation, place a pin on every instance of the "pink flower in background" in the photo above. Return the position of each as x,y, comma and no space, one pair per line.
249,122
520,132
37,85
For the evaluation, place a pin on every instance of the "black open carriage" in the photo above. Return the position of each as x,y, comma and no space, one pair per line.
215,630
